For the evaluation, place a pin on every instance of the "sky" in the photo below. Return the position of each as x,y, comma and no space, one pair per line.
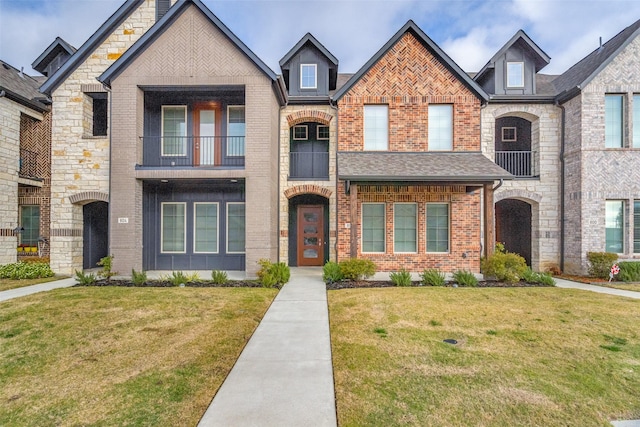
469,31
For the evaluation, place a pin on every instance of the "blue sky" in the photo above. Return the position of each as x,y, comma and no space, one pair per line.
470,31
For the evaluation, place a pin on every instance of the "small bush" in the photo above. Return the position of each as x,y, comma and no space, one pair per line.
106,271
138,278
531,276
465,278
22,270
629,271
219,277
546,279
401,278
177,278
432,277
357,269
85,279
331,272
268,281
273,274
504,266
600,263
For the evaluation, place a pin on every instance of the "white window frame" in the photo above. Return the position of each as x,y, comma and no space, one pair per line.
315,76
229,107
384,242
227,227
394,228
623,228
184,144
430,133
162,205
515,134
426,228
373,107
521,64
622,98
318,132
195,231
306,132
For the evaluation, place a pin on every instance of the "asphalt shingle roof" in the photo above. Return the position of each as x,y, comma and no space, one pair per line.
21,87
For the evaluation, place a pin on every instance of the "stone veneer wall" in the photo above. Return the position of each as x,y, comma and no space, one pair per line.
542,193
290,116
606,174
80,163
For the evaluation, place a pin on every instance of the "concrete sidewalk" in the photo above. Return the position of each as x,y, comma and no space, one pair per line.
42,287
561,283
284,376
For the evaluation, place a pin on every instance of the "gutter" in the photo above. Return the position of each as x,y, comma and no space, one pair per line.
562,189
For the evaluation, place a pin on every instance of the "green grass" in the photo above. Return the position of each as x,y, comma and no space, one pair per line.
6,284
624,286
543,356
121,356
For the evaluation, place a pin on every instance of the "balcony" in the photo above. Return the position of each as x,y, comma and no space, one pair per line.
309,165
521,164
28,164
192,152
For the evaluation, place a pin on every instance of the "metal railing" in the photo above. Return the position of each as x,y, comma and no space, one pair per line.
522,164
28,163
193,151
312,165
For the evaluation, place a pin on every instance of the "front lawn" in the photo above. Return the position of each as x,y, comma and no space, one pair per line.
121,356
523,356
625,286
6,284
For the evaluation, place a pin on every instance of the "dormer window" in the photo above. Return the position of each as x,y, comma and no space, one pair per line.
308,76
515,74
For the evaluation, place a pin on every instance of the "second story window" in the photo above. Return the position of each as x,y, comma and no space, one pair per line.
174,130
515,74
440,128
376,127
308,76
235,130
613,121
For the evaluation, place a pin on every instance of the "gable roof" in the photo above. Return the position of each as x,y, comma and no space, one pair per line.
21,88
575,78
159,27
58,45
541,58
411,27
310,39
90,45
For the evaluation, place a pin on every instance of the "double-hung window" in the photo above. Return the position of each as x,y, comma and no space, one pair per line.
405,225
308,76
173,228
205,228
30,221
376,127
613,120
614,226
515,74
235,228
174,130
437,227
636,121
440,127
236,128
373,227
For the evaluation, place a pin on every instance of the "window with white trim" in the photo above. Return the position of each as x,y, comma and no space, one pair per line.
300,132
613,120
614,226
173,227
322,132
437,227
205,228
236,228
236,128
440,130
376,127
515,74
509,134
373,227
174,130
308,76
636,121
405,226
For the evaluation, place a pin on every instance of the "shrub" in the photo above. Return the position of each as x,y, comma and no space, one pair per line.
465,278
600,263
331,272
546,279
504,266
219,277
432,277
531,276
36,260
629,271
85,279
177,278
401,278
22,270
138,278
357,269
106,271
273,274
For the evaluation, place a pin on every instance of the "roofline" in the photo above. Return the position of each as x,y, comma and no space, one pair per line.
308,37
424,178
29,103
532,99
89,46
58,41
411,26
149,37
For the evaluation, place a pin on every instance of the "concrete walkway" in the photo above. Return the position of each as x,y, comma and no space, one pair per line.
561,283
42,287
284,376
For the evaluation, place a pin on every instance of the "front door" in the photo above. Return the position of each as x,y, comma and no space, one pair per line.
310,234
206,129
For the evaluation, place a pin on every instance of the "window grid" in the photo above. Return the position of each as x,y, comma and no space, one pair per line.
509,134
613,126
636,226
236,128
322,132
614,226
205,228
308,76
235,228
173,228
300,133
437,227
440,127
405,227
373,227
515,74
30,221
174,130
376,127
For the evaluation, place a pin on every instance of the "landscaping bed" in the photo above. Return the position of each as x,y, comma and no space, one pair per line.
351,284
168,284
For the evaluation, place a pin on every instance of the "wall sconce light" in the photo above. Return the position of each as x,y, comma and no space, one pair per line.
18,230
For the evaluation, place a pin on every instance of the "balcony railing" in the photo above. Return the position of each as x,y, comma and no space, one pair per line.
522,164
192,151
310,165
28,164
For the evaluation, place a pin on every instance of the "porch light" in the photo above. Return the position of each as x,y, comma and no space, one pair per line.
18,230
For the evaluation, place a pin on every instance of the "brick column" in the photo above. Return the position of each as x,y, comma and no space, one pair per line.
489,221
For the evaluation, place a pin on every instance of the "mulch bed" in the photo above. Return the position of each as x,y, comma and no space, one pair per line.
354,284
167,284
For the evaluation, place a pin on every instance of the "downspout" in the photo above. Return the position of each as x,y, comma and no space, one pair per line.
498,185
562,189
335,241
285,104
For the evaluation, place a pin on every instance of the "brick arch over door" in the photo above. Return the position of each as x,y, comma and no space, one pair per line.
523,195
309,116
88,197
307,189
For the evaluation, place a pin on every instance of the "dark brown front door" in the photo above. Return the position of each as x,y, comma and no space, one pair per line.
310,235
